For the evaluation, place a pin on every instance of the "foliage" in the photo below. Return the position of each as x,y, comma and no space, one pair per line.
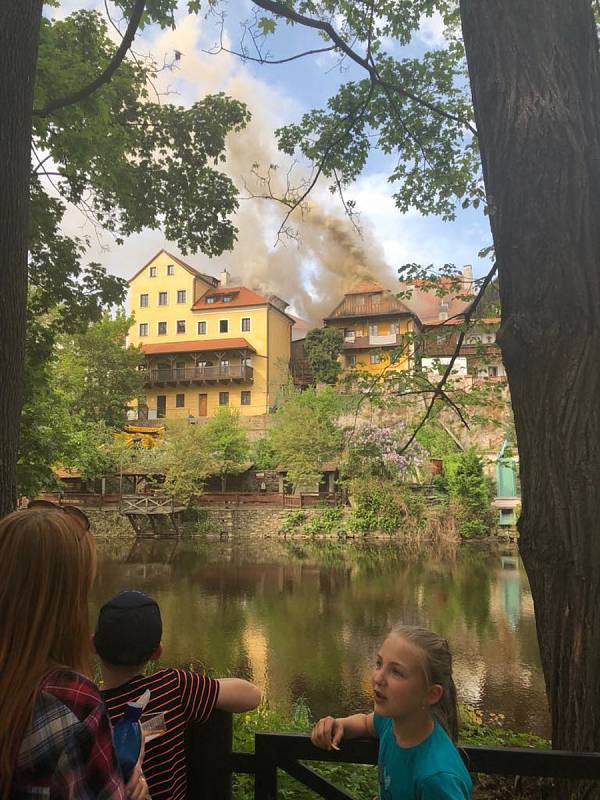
379,505
439,444
327,520
305,434
227,443
182,456
378,451
97,374
470,489
323,347
263,454
293,521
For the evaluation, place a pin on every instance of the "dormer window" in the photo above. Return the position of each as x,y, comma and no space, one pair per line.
227,298
211,299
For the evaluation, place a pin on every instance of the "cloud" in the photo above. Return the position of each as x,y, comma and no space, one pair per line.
431,30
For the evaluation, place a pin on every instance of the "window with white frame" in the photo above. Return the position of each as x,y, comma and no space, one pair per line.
170,269
153,272
246,398
143,301
181,295
163,298
162,328
202,328
245,324
143,329
375,358
180,326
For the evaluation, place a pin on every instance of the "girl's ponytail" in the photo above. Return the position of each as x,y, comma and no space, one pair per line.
437,667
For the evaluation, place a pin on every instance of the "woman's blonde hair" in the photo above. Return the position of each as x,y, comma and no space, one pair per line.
437,668
46,573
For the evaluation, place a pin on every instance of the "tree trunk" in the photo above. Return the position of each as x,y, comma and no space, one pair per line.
19,32
535,77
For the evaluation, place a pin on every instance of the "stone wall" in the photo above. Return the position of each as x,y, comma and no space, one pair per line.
244,521
109,524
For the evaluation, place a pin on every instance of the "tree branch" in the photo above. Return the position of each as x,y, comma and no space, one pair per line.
104,77
281,10
439,393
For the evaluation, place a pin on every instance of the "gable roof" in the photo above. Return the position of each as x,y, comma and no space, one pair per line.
388,303
197,346
192,270
240,296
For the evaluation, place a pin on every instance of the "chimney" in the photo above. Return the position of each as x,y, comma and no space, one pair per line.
467,279
224,278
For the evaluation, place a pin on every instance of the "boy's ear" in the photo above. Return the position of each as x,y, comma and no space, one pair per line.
157,653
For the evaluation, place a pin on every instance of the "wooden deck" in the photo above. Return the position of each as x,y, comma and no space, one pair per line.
149,511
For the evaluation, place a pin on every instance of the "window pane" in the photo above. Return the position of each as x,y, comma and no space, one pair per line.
170,269
246,398
162,328
180,326
153,272
223,325
245,323
143,329
181,296
201,328
223,398
162,298
179,401
143,300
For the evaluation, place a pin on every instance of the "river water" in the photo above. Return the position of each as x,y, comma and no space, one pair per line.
303,618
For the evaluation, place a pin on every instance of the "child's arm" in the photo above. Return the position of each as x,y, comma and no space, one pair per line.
236,694
329,731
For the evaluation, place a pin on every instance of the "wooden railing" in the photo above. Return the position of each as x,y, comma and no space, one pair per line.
240,372
86,499
239,498
211,762
148,504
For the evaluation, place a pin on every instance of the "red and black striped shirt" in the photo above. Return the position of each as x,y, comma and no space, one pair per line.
182,696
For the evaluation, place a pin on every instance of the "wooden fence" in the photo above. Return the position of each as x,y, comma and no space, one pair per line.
211,762
85,499
148,504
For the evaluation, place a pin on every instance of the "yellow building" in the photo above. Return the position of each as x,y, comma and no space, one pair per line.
375,324
208,344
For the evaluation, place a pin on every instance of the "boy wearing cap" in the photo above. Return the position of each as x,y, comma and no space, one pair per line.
128,635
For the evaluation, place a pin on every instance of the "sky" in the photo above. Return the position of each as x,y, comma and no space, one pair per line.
302,272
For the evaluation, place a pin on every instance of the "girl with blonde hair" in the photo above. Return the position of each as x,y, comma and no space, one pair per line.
55,738
414,719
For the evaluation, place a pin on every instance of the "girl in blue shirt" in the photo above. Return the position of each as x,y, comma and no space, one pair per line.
414,719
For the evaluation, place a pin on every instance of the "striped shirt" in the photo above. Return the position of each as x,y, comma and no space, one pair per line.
67,750
183,697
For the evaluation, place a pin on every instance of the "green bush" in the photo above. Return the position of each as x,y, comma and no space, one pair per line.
378,505
293,521
327,520
471,490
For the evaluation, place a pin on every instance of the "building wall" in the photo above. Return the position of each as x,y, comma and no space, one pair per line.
173,311
269,335
280,352
363,356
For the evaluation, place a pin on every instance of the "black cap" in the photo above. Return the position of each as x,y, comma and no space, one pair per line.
129,629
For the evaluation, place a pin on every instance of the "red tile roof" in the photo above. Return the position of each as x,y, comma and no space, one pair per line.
197,346
240,296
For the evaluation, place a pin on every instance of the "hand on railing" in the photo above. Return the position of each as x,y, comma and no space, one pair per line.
328,733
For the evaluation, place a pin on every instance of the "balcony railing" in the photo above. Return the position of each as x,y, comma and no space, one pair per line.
386,306
234,372
386,340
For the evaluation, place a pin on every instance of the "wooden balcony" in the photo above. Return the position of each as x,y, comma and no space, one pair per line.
373,341
234,373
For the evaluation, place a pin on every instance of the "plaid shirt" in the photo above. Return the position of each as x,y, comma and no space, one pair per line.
67,751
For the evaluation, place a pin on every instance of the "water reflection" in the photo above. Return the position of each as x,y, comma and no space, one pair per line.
304,619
